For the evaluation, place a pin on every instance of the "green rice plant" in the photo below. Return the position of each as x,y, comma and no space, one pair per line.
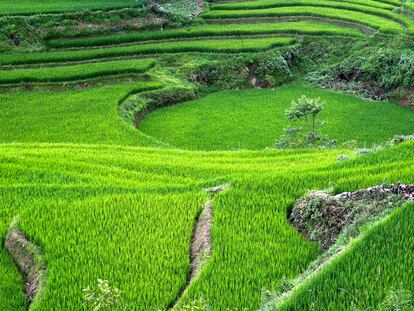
116,203
254,119
301,27
75,72
90,115
213,45
27,7
263,4
382,20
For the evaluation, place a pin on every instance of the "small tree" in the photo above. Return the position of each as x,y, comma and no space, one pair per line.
103,297
304,110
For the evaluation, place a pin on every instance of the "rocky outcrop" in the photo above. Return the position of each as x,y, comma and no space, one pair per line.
322,217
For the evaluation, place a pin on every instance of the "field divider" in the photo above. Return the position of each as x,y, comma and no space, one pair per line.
29,259
201,241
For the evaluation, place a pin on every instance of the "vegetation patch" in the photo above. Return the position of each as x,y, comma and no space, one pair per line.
373,73
30,261
322,218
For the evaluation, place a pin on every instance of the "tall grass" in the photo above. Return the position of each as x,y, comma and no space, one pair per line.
127,214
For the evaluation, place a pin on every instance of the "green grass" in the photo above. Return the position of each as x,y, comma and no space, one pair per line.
254,119
302,27
382,20
213,45
26,7
75,72
365,273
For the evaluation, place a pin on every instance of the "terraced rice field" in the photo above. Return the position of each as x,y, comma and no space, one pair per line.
253,119
28,7
105,199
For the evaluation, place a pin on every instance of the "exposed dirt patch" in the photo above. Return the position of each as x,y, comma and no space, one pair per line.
201,241
322,218
27,258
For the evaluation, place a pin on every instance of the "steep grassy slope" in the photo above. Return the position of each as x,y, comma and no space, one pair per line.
255,119
302,27
362,277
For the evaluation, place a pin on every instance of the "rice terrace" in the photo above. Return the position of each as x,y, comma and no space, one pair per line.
206,155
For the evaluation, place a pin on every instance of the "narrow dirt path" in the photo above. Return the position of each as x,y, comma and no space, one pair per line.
201,241
29,259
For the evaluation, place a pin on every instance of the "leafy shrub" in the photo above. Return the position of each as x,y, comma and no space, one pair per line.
103,297
304,110
397,300
272,70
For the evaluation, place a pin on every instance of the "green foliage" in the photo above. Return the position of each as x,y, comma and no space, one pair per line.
396,300
194,305
304,109
89,116
100,204
103,297
264,4
272,70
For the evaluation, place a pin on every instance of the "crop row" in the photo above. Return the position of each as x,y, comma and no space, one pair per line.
28,7
214,45
264,4
301,27
75,72
379,19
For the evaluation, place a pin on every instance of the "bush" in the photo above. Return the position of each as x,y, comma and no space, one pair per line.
305,110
